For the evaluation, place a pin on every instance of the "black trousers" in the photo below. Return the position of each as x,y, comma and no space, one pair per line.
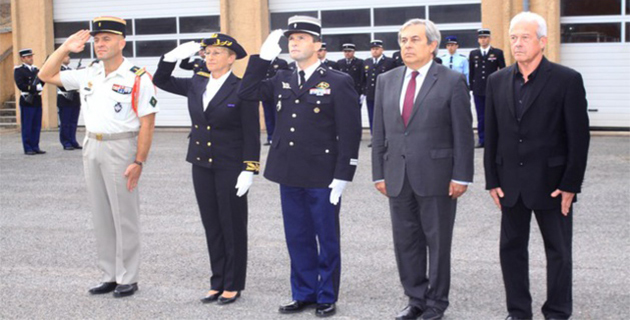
557,233
420,224
224,217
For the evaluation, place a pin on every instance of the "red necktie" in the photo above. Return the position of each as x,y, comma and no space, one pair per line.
408,103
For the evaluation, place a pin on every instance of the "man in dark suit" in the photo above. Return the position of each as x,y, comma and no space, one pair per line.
321,55
69,105
372,68
422,160
351,65
483,62
537,137
269,108
313,157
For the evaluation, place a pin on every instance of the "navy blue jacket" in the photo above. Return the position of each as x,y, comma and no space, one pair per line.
227,134
371,72
318,127
25,81
354,69
481,68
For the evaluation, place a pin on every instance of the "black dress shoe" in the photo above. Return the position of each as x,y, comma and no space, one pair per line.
294,306
432,314
516,318
124,290
103,287
78,147
211,297
30,153
325,310
409,312
68,148
224,300
40,151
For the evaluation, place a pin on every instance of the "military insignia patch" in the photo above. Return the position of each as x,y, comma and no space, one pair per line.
117,107
286,85
279,106
153,102
231,105
323,85
214,35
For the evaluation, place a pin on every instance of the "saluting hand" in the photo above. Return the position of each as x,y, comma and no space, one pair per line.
76,42
271,47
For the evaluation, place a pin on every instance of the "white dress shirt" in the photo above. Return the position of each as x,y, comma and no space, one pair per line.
213,87
308,72
419,80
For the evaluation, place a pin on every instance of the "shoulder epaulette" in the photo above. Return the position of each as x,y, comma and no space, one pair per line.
138,71
203,74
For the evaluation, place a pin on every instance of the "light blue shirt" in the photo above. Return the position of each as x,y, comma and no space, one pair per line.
456,62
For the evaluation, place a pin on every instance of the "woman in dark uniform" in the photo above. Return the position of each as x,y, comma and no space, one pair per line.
224,149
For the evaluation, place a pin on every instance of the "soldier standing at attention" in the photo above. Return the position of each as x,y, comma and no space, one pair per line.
30,102
351,65
119,106
313,157
372,67
321,55
69,105
454,60
483,62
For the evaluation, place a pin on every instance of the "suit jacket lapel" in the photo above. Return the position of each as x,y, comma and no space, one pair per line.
293,81
396,91
200,88
224,92
429,81
510,91
542,76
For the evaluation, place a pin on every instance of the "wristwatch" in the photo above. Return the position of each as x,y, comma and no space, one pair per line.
140,163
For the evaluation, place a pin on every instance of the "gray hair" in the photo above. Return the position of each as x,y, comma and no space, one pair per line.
431,31
527,16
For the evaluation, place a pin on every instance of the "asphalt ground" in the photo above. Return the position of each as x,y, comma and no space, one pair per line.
48,256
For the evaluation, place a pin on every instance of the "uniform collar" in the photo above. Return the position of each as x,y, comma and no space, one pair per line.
423,70
124,68
309,71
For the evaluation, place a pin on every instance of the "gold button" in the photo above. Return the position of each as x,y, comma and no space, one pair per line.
209,144
291,143
210,160
197,142
208,127
196,127
198,159
297,100
292,129
294,115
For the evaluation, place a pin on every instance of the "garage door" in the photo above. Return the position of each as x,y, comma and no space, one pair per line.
153,27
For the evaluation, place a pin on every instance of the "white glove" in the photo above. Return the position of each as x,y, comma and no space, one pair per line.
362,99
183,51
244,181
39,87
270,48
337,187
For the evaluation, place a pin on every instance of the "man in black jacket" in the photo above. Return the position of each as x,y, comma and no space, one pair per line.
351,65
30,102
537,138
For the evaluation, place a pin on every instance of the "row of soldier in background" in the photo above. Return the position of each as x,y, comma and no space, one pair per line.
68,104
476,68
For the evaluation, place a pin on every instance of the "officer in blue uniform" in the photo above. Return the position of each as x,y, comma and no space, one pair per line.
372,67
398,61
321,55
269,108
352,65
483,61
196,64
30,102
313,157
454,60
69,105
224,149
